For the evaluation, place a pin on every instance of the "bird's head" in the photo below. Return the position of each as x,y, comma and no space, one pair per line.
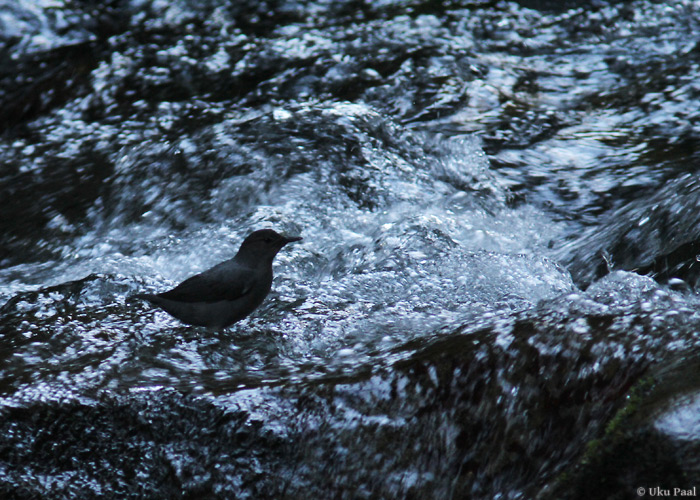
264,244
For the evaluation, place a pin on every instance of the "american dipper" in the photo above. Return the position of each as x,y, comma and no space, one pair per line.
230,291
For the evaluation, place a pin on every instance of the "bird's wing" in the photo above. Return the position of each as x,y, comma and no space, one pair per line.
218,283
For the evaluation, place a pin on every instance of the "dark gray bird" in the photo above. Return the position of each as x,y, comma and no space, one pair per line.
230,291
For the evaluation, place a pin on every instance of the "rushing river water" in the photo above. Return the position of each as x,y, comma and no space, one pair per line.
495,296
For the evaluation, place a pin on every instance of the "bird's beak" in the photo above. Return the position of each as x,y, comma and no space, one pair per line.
290,239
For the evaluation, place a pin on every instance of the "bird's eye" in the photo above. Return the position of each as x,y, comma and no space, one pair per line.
268,240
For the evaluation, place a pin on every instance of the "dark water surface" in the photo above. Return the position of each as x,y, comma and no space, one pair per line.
495,297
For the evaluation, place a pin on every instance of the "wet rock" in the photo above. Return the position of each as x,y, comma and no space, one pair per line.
651,444
499,407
